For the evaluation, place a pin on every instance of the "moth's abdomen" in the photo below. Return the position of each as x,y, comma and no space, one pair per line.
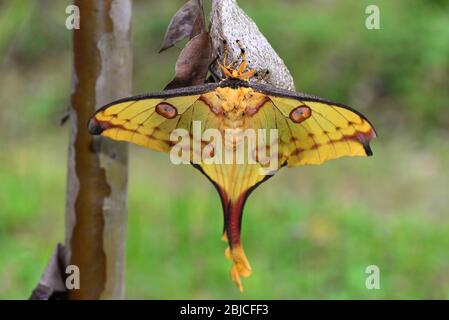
233,122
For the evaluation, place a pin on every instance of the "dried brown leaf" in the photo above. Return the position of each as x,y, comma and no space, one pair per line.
199,26
182,24
193,62
52,283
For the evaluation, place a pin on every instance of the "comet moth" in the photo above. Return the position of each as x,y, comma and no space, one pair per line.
310,130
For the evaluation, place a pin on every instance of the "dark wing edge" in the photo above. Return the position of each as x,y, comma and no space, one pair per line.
95,128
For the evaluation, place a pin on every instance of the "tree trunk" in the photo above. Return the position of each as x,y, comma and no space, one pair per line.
97,167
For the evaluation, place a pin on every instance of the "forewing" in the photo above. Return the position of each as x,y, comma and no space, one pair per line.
150,119
313,130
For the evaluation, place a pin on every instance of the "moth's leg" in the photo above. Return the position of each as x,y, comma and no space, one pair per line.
240,265
223,66
225,70
242,56
248,74
264,76
225,53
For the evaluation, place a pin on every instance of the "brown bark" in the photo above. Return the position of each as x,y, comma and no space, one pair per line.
97,168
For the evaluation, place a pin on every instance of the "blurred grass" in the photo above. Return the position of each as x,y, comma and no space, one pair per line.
310,232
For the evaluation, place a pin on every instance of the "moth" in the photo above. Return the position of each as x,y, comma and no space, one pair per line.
310,130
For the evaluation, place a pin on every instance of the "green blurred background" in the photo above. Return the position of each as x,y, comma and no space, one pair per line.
311,231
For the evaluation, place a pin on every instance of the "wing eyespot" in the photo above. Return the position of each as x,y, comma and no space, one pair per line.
166,110
300,113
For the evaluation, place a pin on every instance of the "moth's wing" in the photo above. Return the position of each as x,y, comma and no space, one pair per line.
331,130
148,120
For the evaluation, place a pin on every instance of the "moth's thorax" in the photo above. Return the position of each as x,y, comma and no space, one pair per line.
234,105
